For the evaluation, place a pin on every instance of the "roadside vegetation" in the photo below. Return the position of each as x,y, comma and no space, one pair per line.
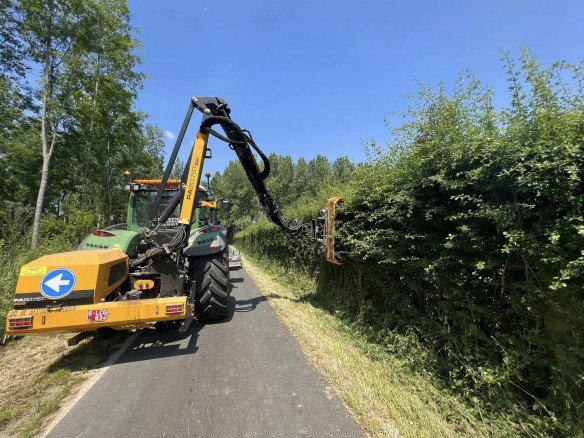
462,240
382,393
68,130
40,373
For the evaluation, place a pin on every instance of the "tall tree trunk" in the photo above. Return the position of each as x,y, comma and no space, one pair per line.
90,138
109,186
47,154
47,148
39,203
94,103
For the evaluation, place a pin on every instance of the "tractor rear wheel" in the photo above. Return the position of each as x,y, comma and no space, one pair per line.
210,285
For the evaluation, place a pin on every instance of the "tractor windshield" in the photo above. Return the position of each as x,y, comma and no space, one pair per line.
142,201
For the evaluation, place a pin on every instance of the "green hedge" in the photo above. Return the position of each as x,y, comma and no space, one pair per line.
468,234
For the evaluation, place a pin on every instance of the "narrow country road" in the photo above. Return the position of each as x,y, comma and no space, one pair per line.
244,377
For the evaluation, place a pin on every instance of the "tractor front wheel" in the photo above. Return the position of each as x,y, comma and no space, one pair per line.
210,286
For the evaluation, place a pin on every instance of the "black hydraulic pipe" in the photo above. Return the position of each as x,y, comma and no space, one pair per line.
171,206
240,143
171,160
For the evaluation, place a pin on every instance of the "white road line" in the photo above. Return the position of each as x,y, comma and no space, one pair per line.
86,386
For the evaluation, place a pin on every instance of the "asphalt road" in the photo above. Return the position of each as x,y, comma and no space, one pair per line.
244,377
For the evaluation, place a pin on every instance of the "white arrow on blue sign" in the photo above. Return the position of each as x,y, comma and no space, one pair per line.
58,283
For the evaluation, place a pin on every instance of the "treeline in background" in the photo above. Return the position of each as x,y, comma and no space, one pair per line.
292,183
462,240
69,78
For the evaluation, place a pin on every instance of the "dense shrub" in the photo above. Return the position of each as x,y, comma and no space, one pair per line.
468,232
59,234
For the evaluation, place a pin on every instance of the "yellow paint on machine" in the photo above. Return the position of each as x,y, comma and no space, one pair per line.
143,284
99,270
193,178
125,315
330,229
210,204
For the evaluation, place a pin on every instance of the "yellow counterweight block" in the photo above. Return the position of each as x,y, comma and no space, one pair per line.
65,292
193,178
75,277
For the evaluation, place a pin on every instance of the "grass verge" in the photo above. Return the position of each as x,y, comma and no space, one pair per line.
39,373
385,397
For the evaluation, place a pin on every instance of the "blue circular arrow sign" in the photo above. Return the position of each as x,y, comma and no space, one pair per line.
58,283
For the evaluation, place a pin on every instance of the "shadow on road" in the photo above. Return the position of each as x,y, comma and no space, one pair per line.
248,305
162,342
153,343
166,342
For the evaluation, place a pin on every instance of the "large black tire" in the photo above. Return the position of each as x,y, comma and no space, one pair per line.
210,285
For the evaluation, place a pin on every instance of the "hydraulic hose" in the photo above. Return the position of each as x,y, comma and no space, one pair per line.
241,143
244,140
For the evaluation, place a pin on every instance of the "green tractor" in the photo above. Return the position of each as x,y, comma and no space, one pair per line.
207,257
170,260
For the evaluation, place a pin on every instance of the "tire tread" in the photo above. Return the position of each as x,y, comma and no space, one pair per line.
210,285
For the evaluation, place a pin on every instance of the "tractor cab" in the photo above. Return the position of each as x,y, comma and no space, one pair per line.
143,194
206,236
141,199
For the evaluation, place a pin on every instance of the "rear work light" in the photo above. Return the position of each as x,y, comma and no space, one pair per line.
101,233
173,309
20,322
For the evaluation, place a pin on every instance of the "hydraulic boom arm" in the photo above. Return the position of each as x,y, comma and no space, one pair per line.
216,112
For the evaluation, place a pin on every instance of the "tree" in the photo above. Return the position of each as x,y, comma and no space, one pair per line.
290,184
52,30
178,169
234,186
13,102
300,176
318,173
342,169
11,46
281,179
111,82
85,53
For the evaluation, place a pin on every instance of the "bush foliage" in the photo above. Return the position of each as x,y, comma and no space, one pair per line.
59,234
467,234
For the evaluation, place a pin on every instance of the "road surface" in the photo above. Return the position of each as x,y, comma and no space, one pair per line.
244,377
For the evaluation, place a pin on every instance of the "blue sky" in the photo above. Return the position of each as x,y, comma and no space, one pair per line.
320,77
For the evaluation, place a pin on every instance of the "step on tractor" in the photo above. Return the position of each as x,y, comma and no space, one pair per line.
170,261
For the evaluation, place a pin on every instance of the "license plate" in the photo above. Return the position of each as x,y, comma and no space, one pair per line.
97,315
